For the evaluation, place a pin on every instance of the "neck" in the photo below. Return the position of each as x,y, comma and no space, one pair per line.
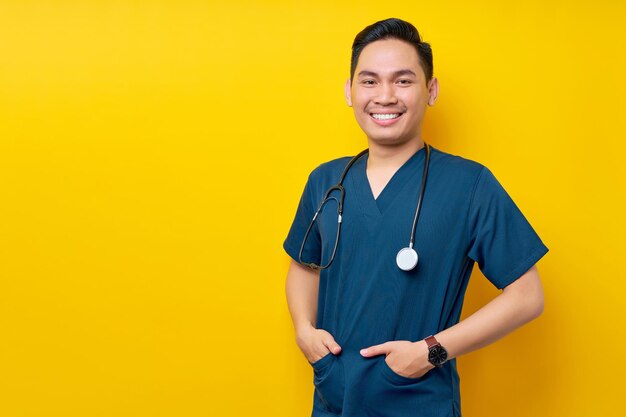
381,156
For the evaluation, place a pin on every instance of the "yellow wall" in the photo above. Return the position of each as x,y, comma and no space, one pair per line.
152,155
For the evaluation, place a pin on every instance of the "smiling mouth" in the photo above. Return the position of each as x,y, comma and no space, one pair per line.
385,116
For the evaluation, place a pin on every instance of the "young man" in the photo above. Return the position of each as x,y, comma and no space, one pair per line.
376,287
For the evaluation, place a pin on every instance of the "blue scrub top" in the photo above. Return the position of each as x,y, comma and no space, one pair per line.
365,299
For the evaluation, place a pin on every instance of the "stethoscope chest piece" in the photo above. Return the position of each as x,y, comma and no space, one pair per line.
406,259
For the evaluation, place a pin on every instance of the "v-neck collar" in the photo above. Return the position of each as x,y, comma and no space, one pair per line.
378,206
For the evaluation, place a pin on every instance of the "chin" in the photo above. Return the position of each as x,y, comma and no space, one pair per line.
388,139
387,142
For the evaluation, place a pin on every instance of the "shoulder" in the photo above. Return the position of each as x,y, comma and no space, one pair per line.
328,173
333,166
455,167
456,162
324,176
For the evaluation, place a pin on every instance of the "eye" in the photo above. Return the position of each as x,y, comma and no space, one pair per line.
368,82
404,81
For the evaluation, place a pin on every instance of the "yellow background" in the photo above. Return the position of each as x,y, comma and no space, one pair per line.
152,155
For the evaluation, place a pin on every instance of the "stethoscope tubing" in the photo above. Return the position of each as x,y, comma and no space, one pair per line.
421,195
339,186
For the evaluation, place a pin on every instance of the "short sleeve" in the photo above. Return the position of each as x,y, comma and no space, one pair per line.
304,214
502,241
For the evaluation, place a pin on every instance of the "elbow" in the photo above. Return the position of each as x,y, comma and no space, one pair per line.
530,305
533,303
527,294
537,303
527,308
536,307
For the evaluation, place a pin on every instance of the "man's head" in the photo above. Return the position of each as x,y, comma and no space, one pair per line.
391,84
393,29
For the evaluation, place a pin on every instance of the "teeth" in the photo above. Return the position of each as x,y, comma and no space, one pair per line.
381,116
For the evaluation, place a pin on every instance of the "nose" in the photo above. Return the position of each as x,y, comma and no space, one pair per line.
386,95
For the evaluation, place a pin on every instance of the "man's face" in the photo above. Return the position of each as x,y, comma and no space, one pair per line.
389,92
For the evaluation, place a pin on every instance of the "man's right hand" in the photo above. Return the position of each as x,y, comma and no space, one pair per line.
316,343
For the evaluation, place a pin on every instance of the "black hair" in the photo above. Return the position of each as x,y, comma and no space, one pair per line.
393,29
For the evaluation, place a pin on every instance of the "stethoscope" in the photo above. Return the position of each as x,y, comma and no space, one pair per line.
406,257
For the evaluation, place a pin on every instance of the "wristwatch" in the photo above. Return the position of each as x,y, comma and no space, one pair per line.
437,354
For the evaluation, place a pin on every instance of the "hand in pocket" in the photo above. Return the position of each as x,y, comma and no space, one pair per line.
316,343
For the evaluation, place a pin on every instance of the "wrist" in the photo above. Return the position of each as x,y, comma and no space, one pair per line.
303,327
437,353
421,353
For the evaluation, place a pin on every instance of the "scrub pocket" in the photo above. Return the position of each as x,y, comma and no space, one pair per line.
389,394
329,381
396,378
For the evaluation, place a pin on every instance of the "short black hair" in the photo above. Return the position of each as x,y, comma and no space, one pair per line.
393,29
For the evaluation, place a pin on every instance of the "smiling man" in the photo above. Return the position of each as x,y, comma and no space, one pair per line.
383,246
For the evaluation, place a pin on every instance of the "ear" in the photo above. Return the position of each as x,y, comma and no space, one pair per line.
347,91
433,91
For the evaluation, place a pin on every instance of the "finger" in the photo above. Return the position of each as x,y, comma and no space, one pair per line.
332,345
376,350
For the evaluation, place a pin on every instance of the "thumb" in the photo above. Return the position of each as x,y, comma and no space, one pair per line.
330,343
376,350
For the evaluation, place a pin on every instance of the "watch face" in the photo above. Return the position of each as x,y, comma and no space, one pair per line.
437,355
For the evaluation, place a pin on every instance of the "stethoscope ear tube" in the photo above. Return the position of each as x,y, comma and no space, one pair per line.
327,198
342,193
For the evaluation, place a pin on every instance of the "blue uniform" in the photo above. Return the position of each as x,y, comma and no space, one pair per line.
365,299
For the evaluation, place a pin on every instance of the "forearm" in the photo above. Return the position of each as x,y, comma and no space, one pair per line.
518,304
302,287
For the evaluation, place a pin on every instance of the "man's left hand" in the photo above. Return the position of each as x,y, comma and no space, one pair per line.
409,359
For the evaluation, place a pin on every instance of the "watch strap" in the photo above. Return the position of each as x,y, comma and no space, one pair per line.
431,342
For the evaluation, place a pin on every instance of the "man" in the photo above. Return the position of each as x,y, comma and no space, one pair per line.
379,323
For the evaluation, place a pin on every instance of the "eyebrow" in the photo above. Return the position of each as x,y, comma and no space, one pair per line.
395,74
